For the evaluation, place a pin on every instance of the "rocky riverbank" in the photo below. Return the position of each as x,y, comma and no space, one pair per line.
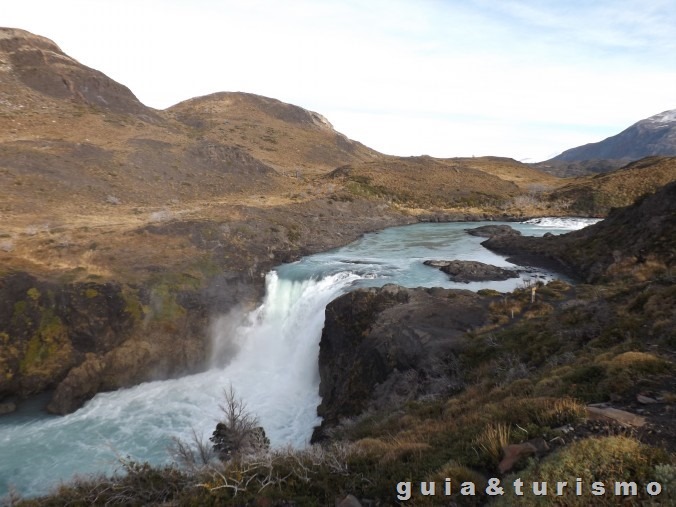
630,241
78,336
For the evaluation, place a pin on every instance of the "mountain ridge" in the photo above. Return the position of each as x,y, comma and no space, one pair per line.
652,136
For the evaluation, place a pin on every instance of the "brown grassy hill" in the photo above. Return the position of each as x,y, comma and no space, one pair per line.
83,162
596,195
286,137
527,178
71,137
422,183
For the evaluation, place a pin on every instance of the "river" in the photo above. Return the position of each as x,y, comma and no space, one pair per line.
268,355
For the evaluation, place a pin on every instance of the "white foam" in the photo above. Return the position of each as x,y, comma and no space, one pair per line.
572,224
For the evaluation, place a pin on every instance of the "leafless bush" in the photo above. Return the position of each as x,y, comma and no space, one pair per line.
508,369
264,469
193,457
239,432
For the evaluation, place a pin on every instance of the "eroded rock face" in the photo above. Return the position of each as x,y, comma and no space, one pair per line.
472,271
83,338
381,347
46,329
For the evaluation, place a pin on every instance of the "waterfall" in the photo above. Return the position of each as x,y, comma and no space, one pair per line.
276,348
268,355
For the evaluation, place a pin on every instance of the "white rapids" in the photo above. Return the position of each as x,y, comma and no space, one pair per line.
563,222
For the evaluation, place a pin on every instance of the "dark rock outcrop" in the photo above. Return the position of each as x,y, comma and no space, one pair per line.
615,246
382,347
472,271
489,231
46,329
82,338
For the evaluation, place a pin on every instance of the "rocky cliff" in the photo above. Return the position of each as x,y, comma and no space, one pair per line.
383,347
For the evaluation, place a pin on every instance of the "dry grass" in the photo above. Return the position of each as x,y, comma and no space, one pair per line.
597,194
493,439
637,362
458,474
606,459
398,450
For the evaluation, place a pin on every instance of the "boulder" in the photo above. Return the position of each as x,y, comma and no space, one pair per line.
81,383
512,453
472,271
348,501
621,416
490,231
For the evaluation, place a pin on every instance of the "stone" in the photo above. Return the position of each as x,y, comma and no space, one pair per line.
514,452
621,416
472,271
490,231
349,501
645,400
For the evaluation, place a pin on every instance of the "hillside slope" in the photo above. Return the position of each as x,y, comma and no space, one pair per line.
596,195
635,241
655,135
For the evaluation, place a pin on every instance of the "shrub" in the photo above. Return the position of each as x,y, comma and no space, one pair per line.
637,362
607,459
239,432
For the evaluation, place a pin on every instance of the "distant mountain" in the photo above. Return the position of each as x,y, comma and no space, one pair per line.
654,136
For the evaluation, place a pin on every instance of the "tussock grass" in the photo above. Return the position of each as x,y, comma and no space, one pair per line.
607,459
637,362
493,439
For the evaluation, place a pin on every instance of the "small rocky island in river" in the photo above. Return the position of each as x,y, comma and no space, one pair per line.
472,271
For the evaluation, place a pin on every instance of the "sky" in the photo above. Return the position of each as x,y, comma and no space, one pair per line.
525,79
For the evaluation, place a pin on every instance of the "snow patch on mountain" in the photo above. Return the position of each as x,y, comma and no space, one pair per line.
664,117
